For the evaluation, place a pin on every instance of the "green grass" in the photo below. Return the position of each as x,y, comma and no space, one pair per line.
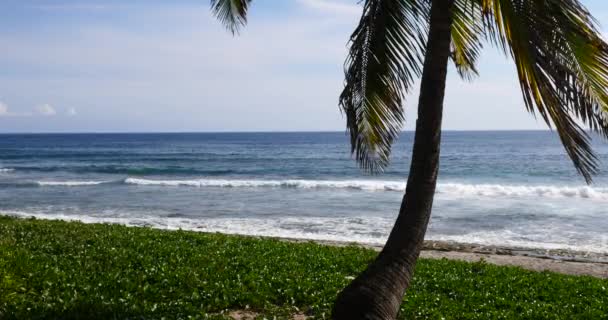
67,270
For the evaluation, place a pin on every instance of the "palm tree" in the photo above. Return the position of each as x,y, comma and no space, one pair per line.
562,65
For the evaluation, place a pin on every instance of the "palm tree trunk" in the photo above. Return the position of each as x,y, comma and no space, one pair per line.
378,292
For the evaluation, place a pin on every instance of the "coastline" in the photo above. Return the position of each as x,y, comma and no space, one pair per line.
62,269
562,261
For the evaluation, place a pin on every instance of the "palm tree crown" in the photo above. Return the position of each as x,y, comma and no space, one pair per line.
562,66
560,58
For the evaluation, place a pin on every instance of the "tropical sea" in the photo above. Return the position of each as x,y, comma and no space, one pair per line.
503,188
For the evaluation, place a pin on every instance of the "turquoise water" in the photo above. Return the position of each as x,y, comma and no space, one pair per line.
500,188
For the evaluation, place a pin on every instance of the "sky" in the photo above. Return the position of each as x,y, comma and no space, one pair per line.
168,66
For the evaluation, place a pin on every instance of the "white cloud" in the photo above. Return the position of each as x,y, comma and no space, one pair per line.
46,110
5,112
3,109
41,110
119,73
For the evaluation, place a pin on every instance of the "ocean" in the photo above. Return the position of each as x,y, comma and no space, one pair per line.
514,189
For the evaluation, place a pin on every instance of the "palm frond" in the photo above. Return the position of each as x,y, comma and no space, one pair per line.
232,13
467,33
385,57
562,64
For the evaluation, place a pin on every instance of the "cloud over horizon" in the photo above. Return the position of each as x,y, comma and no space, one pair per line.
46,110
3,109
165,66
40,110
6,112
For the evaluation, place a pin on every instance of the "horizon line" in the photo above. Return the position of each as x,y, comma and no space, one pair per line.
256,131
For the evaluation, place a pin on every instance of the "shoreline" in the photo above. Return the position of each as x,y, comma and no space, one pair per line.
60,269
563,261
446,246
560,261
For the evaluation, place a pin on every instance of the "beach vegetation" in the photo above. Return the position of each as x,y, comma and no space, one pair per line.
71,270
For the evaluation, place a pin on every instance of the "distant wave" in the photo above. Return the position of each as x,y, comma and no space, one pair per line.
497,190
70,183
450,189
4,170
302,184
127,170
457,189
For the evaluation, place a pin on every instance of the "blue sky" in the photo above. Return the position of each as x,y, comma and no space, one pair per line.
168,66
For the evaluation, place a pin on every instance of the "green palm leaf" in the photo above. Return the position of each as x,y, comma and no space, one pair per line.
562,64
385,57
467,33
232,13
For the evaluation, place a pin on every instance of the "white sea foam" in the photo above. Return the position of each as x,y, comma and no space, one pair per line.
5,170
446,189
531,239
453,189
366,230
369,185
69,183
496,190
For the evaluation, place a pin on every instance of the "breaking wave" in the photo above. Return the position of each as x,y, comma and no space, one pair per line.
366,230
70,183
451,189
458,189
301,184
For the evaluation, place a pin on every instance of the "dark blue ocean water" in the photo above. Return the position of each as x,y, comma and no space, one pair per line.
501,188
